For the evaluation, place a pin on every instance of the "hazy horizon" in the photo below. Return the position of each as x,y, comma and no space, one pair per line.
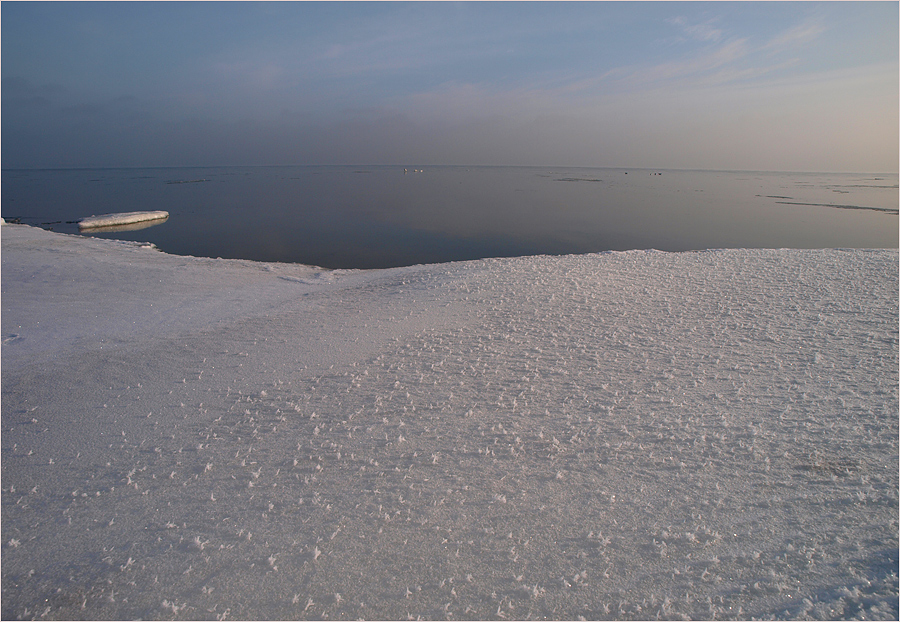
780,87
408,164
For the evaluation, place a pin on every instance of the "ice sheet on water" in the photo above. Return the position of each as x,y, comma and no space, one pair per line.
626,435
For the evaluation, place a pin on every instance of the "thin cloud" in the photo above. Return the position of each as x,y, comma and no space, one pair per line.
734,75
712,59
728,61
695,68
704,31
798,35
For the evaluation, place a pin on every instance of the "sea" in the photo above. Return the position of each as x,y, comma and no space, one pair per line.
363,217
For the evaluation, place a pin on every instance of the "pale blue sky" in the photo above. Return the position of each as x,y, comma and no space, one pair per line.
764,86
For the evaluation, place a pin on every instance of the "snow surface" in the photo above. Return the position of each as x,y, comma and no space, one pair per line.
620,435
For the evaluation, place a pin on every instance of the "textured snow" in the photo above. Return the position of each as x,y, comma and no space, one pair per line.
610,436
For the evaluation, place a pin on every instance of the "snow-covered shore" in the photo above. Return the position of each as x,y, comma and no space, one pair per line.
622,435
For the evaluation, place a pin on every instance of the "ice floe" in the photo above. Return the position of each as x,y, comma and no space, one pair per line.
122,219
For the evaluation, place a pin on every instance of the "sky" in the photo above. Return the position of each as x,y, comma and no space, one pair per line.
803,86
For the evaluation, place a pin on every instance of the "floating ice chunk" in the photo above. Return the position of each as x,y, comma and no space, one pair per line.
122,219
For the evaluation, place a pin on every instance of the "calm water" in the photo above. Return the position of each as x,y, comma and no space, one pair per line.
374,217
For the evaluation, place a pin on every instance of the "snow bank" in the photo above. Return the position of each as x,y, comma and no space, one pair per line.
121,220
623,435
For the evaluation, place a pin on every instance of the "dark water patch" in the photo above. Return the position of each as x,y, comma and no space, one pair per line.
894,187
186,181
860,207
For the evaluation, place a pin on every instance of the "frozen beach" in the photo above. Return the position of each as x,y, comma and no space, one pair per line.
625,435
